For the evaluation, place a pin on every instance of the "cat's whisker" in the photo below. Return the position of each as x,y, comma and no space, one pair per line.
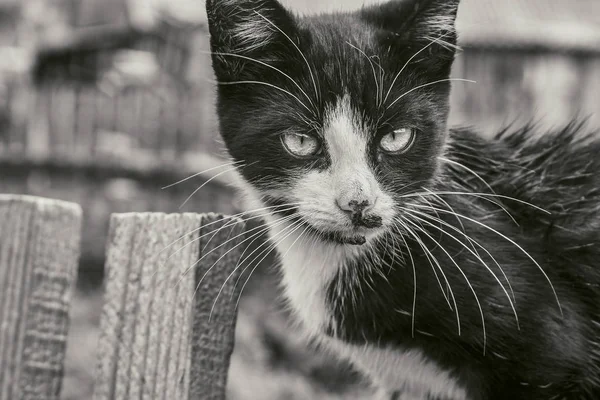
474,253
263,228
278,208
408,62
513,243
201,173
206,183
208,233
238,215
466,279
241,260
432,260
414,303
228,277
478,195
255,235
469,170
431,257
445,203
496,203
428,84
251,82
273,247
463,232
310,71
238,265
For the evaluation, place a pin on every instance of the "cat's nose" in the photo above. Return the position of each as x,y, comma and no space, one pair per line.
357,210
355,206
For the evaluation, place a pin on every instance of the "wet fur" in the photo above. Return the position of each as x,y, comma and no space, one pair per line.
540,190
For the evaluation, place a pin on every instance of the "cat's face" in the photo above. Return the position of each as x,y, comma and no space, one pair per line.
334,117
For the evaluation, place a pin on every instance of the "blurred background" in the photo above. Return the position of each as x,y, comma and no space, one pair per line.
104,102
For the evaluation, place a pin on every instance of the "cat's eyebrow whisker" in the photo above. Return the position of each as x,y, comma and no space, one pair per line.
466,279
408,62
378,101
269,66
428,84
510,241
249,82
310,71
474,253
444,43
201,173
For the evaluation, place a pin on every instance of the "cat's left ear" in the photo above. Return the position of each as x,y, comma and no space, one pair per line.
416,24
250,29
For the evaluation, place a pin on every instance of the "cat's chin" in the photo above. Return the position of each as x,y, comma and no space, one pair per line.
359,238
355,240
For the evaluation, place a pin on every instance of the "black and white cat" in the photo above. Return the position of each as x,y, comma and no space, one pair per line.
443,265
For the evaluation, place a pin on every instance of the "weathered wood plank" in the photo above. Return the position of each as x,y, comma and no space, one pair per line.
146,350
215,318
39,252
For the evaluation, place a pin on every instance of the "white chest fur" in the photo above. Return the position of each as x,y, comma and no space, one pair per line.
307,269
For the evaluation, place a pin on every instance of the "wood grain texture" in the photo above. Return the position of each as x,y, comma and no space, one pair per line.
39,252
222,245
147,349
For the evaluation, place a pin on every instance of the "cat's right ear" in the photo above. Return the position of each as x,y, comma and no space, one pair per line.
241,30
418,24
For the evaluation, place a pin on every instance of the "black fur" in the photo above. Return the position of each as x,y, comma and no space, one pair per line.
540,190
556,171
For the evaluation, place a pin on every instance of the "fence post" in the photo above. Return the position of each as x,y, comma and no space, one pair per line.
147,349
39,252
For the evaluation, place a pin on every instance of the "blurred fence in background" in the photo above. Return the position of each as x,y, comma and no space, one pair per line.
102,106
108,114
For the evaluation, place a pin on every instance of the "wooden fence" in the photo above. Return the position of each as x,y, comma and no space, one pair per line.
164,332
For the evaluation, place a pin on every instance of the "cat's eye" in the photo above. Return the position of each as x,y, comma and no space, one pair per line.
398,141
300,145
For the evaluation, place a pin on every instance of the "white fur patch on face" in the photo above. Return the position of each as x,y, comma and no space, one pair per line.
408,371
348,178
310,264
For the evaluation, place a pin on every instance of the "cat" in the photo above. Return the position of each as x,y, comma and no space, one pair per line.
442,264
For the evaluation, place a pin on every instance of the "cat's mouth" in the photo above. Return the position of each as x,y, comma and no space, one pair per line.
357,237
341,238
357,234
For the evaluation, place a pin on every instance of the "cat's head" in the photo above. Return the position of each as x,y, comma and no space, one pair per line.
334,117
